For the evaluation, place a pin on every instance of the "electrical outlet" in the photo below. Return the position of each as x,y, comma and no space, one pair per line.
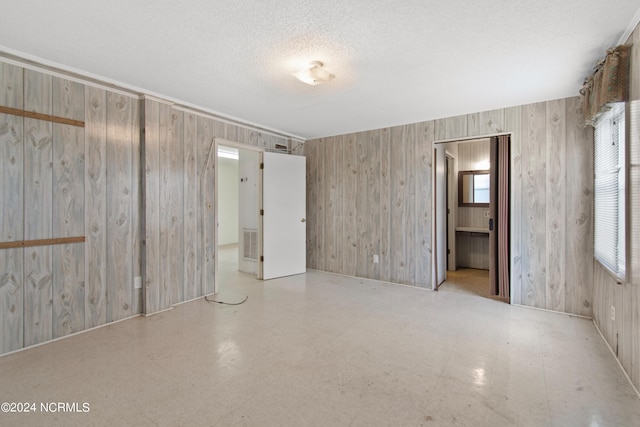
376,259
613,313
137,283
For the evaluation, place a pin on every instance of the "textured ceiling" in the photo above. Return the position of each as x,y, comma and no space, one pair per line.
395,62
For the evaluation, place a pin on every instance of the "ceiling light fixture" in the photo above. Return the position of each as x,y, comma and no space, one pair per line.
314,75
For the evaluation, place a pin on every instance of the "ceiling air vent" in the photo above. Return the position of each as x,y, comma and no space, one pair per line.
281,147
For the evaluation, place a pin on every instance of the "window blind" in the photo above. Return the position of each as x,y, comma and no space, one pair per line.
609,190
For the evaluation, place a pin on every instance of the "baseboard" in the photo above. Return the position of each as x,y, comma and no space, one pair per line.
617,360
553,311
70,335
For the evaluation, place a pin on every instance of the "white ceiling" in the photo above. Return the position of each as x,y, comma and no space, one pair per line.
395,62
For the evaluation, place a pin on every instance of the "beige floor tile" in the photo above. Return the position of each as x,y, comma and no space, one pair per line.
323,350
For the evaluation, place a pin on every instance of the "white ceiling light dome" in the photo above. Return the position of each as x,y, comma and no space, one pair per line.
314,75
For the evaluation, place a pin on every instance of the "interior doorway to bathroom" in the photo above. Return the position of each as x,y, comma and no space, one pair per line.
471,206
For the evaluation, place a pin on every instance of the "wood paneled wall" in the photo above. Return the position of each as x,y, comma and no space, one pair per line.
362,193
623,333
113,206
59,180
551,201
180,215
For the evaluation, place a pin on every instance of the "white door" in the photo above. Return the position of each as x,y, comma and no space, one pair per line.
284,220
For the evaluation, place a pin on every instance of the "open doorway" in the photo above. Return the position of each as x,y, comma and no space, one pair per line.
237,211
473,217
260,205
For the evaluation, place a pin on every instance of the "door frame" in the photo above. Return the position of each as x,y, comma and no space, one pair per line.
434,252
452,209
239,146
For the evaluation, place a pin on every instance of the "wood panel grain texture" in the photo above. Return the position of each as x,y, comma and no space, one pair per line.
308,203
209,177
399,232
311,202
242,135
424,173
176,206
206,209
164,205
191,270
536,137
485,123
534,205
90,182
119,180
11,214
455,127
385,204
231,132
38,161
368,204
221,129
95,192
333,198
68,209
137,212
184,209
350,171
151,150
579,212
411,199
95,207
11,155
372,207
318,184
555,204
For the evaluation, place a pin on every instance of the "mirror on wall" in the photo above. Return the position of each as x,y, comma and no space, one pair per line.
473,188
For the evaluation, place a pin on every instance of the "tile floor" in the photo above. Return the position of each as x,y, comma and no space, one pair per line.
325,350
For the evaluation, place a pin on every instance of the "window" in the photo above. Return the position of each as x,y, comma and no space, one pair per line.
481,188
609,190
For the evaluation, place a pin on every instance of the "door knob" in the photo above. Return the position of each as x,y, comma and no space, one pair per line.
303,220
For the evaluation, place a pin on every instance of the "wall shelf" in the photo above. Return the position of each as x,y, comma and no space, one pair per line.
472,230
